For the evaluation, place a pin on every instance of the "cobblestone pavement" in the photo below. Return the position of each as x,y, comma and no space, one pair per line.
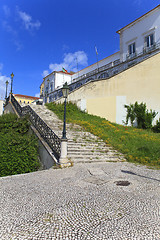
82,202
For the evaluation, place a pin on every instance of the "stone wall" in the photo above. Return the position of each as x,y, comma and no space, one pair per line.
106,98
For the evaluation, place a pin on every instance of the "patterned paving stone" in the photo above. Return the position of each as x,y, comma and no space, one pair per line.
63,204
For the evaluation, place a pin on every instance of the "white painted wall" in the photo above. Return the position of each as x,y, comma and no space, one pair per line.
51,78
120,109
1,107
94,66
136,32
61,78
57,79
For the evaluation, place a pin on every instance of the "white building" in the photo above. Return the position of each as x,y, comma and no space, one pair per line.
53,81
138,40
1,107
140,35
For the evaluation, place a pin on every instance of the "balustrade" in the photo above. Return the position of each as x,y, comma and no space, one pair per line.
108,70
46,133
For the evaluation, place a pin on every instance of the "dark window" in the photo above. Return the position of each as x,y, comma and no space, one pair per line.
132,48
51,87
149,40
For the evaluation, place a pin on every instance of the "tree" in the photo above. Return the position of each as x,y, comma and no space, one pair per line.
139,112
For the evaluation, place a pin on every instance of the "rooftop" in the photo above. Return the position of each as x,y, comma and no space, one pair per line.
25,96
144,15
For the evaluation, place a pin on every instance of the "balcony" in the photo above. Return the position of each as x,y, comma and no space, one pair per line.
130,56
149,48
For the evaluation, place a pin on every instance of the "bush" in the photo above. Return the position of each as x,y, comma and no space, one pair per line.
139,112
156,128
18,149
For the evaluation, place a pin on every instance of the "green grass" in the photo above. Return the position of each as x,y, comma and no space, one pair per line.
138,146
18,148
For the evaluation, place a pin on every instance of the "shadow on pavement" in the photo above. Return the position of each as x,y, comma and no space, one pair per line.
132,173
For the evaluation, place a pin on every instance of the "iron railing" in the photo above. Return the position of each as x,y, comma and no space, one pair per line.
6,101
46,132
16,105
107,71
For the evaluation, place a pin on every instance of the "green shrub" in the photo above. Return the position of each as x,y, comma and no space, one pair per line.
18,149
156,128
140,113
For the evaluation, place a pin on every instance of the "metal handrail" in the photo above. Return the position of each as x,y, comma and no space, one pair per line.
110,70
46,132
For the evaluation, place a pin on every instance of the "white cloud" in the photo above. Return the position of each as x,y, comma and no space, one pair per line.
6,11
3,80
27,21
1,66
70,62
137,2
37,95
14,35
45,73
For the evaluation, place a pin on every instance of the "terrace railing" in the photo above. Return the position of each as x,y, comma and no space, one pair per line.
107,71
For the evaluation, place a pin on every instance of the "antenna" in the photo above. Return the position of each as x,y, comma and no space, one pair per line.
97,59
77,66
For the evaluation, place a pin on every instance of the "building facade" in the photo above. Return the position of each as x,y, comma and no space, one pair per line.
106,98
141,35
130,75
24,98
1,107
53,81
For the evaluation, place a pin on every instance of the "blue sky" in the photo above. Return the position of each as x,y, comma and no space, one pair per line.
39,36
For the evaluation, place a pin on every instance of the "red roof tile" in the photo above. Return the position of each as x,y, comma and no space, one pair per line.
25,96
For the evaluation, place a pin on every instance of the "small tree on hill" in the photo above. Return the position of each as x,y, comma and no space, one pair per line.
139,112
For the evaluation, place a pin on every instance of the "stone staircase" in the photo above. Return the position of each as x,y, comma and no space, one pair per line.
83,147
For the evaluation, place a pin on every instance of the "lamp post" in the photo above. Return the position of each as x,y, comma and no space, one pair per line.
65,91
6,88
12,75
63,161
48,91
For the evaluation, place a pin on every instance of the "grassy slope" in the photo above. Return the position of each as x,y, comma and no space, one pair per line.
140,146
18,149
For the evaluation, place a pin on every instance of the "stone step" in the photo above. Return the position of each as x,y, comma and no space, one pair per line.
90,160
83,146
104,150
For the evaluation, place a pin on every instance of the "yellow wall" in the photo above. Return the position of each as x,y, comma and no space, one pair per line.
106,110
24,100
41,88
140,83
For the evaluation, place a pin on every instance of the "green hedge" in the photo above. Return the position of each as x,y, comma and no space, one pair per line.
18,148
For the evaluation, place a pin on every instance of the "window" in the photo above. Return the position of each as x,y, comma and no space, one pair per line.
51,86
149,40
132,49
